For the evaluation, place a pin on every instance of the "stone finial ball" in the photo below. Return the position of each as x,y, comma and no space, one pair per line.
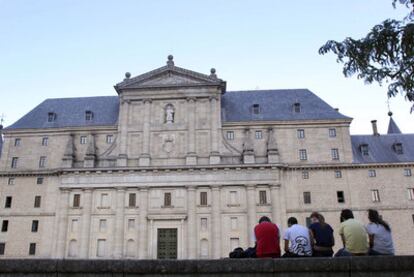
127,75
389,113
213,71
170,57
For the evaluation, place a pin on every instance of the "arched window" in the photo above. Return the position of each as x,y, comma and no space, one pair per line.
169,114
204,248
73,248
130,249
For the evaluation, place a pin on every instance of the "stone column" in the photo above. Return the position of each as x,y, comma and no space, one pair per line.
216,222
276,207
191,158
86,224
251,213
191,224
62,224
123,133
144,159
215,113
143,224
119,223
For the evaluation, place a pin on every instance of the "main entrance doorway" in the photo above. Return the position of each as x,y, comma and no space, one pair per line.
167,243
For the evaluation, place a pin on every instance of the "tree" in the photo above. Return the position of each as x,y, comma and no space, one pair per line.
385,54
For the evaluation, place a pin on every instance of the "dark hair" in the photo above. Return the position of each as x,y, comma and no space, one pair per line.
375,217
320,218
346,214
292,221
264,219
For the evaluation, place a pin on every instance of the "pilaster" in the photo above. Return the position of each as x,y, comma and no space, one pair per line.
191,224
119,223
251,212
145,158
143,224
214,154
86,223
62,224
216,222
191,158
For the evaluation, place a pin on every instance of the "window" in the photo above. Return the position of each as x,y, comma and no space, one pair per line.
51,117
332,132
17,142
411,193
364,149
308,221
37,201
45,141
4,225
203,224
338,174
83,139
8,202
372,173
296,107
11,181
42,162
100,249
74,226
233,198
262,197
303,156
340,196
2,248
14,162
32,249
305,174
407,172
35,226
256,108
398,148
39,180
104,200
307,197
301,133
335,154
131,224
204,248
102,225
258,135
109,139
73,248
234,223
167,199
375,195
230,135
203,198
76,200
88,115
132,200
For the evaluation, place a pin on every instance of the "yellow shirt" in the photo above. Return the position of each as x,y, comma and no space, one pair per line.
356,238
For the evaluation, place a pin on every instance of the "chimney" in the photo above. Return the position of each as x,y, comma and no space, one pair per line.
374,128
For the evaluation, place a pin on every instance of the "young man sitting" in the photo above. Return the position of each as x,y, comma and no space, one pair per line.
297,240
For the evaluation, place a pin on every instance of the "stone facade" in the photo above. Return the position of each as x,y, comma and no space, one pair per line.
171,162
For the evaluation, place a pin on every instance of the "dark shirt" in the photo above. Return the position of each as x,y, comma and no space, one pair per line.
323,235
267,239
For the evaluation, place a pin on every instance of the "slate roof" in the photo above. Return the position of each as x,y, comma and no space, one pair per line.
236,106
393,127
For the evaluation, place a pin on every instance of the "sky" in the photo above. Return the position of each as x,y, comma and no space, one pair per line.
75,48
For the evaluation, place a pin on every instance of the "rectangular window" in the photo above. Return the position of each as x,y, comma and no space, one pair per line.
203,198
74,226
411,193
35,226
37,201
100,249
340,196
32,249
2,248
256,108
8,202
307,197
45,141
131,224
83,139
233,197
203,224
39,180
398,148
301,133
335,154
167,199
14,162
364,149
407,172
303,156
10,181
4,225
258,135
132,200
305,174
42,162
375,195
109,139
332,132
104,200
76,200
88,115
338,174
102,225
17,142
230,135
262,197
372,173
51,117
234,223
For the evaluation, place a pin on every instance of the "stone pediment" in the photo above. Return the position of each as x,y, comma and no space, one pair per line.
170,76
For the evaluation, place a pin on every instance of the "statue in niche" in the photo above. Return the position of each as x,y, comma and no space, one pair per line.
169,114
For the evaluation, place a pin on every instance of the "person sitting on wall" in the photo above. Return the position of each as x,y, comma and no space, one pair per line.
353,234
267,239
321,236
298,237
379,234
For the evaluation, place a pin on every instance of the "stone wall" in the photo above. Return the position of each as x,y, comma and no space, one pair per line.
355,266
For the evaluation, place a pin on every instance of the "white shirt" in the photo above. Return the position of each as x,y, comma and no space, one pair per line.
382,238
300,243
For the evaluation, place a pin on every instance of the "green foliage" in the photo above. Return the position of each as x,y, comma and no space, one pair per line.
385,54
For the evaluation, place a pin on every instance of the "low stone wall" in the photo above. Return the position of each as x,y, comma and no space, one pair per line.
321,267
